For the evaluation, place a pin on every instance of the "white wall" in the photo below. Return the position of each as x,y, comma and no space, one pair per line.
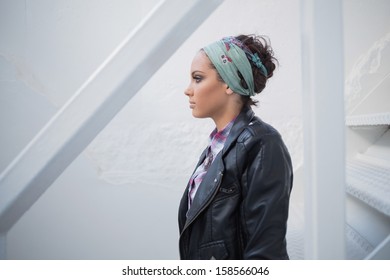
119,198
367,39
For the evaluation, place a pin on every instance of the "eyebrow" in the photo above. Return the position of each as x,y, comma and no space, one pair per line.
197,71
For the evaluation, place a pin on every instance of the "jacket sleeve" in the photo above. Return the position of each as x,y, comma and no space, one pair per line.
267,183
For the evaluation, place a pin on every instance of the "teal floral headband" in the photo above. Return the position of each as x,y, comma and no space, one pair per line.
229,56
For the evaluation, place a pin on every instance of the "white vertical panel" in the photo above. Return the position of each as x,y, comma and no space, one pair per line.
324,144
108,89
3,246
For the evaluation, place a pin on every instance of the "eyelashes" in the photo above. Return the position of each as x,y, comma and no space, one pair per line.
197,78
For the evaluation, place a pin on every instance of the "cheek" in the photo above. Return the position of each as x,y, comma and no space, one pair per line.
209,97
205,94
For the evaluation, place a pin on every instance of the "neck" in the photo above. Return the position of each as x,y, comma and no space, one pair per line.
225,117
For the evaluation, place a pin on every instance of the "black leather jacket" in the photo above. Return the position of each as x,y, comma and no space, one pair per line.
241,207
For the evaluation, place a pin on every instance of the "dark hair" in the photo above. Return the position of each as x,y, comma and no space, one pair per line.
261,46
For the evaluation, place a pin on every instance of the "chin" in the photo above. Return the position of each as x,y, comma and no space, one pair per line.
198,115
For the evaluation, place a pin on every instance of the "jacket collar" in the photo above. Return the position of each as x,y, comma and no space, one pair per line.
243,119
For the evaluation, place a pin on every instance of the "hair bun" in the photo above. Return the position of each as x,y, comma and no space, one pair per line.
261,46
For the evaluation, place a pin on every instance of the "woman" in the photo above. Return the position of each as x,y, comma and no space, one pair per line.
236,203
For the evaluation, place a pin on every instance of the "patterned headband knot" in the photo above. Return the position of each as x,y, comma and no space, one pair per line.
256,60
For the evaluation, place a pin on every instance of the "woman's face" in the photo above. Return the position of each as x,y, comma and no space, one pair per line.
207,95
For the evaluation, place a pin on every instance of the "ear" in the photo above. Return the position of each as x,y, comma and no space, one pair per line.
229,91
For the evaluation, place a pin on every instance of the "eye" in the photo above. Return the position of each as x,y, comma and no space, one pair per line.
197,78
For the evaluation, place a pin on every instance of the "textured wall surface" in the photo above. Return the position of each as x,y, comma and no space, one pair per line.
368,72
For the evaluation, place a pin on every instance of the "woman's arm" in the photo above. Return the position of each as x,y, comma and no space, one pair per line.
265,202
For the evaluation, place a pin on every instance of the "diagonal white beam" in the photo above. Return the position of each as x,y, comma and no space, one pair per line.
323,119
113,84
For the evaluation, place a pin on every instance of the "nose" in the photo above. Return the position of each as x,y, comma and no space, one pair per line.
188,91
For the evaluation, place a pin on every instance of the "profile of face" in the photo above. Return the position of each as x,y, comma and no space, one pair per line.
208,96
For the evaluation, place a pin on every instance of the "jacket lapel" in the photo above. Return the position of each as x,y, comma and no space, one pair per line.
241,122
207,188
183,207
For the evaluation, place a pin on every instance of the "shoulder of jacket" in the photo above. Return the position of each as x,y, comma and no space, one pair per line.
257,129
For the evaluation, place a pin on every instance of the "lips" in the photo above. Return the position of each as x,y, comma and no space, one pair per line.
192,105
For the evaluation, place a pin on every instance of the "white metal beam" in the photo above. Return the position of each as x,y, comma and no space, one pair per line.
323,118
381,252
108,89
